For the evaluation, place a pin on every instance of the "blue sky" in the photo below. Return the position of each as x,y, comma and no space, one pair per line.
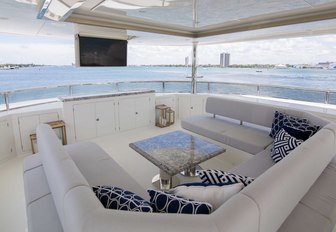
48,50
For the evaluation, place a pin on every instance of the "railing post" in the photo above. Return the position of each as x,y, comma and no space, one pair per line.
117,86
112,85
70,90
208,87
163,87
6,97
327,97
258,90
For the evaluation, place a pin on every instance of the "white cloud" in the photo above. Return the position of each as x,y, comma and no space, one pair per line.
289,51
141,54
37,53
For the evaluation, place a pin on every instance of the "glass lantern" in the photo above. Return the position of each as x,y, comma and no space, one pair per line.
161,119
170,116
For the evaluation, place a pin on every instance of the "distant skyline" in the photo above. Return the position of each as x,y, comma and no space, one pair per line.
53,51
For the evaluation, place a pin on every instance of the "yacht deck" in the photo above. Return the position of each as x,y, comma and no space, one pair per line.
12,200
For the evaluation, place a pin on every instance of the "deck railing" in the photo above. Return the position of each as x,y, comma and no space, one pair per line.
25,97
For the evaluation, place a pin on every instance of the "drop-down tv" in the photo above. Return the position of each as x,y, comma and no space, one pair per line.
92,51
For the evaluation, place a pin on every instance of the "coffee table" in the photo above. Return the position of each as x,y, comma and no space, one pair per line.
176,152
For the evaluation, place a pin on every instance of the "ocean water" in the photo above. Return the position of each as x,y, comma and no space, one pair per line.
22,78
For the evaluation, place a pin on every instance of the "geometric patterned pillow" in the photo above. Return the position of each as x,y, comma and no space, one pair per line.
212,176
296,133
283,144
118,198
300,130
167,203
279,120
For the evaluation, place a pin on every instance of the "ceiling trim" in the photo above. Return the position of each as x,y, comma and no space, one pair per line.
120,22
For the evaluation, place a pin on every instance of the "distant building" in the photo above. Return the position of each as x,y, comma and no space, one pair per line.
281,66
324,65
224,59
186,61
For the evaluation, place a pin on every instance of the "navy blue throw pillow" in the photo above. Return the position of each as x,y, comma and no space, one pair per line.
203,184
167,203
300,130
118,198
279,120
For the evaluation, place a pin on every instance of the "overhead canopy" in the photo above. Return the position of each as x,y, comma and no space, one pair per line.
170,22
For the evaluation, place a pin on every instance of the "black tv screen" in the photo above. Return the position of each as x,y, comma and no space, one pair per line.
102,52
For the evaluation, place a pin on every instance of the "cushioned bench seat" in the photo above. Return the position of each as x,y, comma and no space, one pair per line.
242,125
41,209
208,126
247,137
317,209
255,166
92,165
39,201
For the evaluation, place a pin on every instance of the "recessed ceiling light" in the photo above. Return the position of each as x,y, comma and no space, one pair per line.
133,4
34,2
120,6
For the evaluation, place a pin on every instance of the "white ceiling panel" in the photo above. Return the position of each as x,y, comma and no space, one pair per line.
172,22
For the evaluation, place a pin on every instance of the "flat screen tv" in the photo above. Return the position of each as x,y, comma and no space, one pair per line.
102,52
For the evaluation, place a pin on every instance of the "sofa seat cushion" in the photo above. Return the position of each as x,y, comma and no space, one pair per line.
256,165
247,138
322,195
35,184
209,126
98,168
304,218
42,215
31,162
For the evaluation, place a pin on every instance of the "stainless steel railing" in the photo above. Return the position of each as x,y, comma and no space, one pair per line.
50,93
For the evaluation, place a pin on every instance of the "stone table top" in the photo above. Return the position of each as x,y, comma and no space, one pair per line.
176,151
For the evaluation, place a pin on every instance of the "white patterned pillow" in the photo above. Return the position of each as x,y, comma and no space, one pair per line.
167,203
283,144
118,198
213,194
212,176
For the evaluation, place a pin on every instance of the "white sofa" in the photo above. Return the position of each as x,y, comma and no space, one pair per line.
246,126
296,194
240,124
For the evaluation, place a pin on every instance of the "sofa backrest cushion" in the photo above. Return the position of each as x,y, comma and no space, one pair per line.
252,112
240,110
61,172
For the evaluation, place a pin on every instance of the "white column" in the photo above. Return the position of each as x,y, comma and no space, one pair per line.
194,69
